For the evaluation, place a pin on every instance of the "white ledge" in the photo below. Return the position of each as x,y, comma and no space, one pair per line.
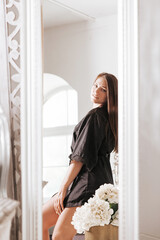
7,209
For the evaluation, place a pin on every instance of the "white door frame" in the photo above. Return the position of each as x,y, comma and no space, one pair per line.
128,118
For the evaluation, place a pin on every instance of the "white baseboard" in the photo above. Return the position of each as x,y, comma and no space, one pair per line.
148,237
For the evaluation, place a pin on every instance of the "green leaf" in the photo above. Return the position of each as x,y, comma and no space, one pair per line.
114,206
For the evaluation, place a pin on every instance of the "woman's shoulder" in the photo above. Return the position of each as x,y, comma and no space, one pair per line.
99,113
96,114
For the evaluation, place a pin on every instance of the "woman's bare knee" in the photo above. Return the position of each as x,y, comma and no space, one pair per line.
64,230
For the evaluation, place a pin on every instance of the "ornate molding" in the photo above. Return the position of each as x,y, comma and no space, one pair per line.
13,21
14,24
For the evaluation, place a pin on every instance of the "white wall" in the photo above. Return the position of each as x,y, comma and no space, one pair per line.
149,121
79,52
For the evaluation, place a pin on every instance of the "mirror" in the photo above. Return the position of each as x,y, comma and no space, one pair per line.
31,99
31,112
80,41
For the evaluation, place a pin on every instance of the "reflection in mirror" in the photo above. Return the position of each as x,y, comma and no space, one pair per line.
80,41
59,119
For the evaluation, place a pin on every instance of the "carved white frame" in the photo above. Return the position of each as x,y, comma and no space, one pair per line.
31,119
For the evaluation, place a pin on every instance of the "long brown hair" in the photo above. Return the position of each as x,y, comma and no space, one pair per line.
112,104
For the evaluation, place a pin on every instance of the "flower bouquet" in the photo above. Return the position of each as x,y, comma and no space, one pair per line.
100,210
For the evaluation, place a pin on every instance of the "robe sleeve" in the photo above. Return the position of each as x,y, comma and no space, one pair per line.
88,141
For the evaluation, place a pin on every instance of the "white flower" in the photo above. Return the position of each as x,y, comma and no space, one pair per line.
107,192
98,210
115,217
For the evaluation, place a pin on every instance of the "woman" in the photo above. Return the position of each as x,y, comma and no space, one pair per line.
94,138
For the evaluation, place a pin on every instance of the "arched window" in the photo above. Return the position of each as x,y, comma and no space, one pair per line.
60,115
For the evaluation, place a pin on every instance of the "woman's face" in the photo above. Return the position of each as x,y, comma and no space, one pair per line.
99,91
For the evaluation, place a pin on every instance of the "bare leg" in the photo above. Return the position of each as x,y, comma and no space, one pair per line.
64,230
49,217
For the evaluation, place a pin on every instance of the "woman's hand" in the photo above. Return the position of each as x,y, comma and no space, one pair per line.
58,204
72,172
